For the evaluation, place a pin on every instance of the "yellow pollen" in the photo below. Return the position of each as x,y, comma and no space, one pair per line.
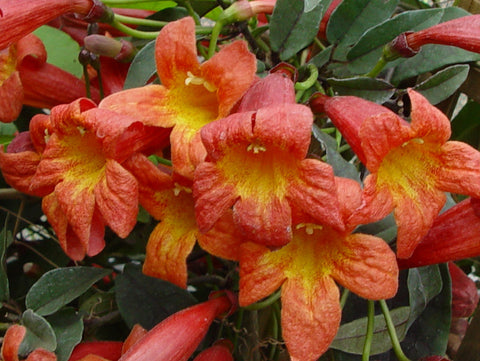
178,188
255,148
81,130
309,227
196,80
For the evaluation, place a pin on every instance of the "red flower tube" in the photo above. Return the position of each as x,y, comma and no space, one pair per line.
11,343
177,337
454,235
462,32
21,17
221,351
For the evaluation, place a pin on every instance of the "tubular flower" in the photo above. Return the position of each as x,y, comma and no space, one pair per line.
21,17
11,343
83,175
109,350
411,165
26,78
462,32
256,163
191,94
221,351
173,238
455,235
177,337
306,270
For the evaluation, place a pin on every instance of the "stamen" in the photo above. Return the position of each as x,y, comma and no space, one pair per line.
46,136
256,148
178,188
309,227
416,140
196,80
81,130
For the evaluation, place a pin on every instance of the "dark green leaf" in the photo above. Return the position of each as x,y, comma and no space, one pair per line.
322,58
39,334
6,240
375,90
340,166
147,300
444,83
466,125
351,336
294,25
62,50
60,286
352,18
375,38
429,333
143,67
424,283
68,328
202,7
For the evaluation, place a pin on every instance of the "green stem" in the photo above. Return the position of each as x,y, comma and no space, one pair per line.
87,82
397,349
377,68
114,3
344,297
214,38
275,330
149,35
267,302
238,325
140,21
310,81
369,335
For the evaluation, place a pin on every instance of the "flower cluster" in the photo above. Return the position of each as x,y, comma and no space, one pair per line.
222,158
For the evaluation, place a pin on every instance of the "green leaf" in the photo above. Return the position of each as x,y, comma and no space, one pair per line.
68,328
202,7
429,333
142,68
424,283
341,167
375,38
444,83
147,300
39,334
60,286
466,125
6,240
470,347
62,50
294,25
375,90
352,18
351,336
322,58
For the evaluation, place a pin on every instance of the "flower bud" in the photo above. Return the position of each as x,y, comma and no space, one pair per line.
464,292
220,351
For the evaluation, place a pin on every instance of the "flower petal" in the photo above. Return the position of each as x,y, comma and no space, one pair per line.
381,133
460,172
367,267
267,221
428,121
212,196
116,196
11,342
11,98
310,317
187,150
176,52
148,104
173,238
259,276
314,193
231,70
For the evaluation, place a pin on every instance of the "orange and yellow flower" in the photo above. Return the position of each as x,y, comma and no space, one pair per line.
306,270
191,94
173,238
412,165
85,173
256,164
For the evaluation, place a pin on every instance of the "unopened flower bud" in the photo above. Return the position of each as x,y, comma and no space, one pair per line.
99,12
244,10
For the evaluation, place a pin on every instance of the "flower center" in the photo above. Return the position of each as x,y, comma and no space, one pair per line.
8,63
